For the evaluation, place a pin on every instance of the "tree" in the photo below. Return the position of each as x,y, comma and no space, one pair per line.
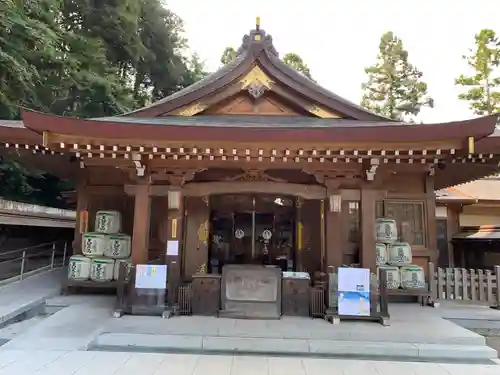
483,84
394,87
85,58
228,55
291,59
295,61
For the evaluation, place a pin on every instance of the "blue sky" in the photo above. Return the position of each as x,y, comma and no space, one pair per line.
337,39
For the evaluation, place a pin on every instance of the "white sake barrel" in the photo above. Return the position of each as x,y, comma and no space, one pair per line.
119,246
399,254
118,263
79,267
386,230
381,254
94,244
412,277
102,269
108,222
393,276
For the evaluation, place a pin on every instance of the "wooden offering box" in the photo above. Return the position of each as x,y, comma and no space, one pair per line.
295,294
206,294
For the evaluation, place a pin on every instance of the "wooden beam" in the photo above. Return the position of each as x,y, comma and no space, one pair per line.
201,189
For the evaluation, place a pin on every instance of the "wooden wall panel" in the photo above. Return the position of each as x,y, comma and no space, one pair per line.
243,104
195,249
311,221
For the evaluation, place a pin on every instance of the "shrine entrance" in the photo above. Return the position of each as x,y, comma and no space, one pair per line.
252,229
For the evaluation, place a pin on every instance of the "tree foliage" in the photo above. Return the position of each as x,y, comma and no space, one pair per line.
295,61
483,84
228,55
394,87
291,59
89,59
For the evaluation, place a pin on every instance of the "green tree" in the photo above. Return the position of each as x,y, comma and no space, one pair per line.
85,58
228,55
295,61
394,87
483,84
291,59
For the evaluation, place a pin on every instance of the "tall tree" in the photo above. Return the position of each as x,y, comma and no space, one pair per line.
394,87
228,55
291,59
85,58
483,84
295,61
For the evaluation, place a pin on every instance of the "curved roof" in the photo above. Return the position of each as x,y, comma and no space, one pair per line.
257,49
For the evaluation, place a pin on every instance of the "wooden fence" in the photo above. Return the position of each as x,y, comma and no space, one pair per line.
473,285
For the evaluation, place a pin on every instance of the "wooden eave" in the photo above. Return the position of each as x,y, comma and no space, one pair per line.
14,132
257,55
143,132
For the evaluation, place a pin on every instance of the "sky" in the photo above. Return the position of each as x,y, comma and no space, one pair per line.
338,39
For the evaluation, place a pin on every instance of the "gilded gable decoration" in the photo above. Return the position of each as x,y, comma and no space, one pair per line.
192,109
320,112
256,89
256,77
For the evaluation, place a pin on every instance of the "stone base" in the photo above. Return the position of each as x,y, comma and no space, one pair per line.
236,314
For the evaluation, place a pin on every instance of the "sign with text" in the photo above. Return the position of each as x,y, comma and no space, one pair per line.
149,276
354,291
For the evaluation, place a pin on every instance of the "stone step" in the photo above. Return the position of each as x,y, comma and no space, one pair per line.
238,314
270,346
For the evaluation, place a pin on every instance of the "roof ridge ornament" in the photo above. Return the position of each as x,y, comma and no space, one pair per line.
258,39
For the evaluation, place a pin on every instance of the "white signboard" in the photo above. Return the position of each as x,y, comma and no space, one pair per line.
354,291
173,248
149,276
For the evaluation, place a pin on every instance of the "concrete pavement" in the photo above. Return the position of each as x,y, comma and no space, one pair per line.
21,296
16,362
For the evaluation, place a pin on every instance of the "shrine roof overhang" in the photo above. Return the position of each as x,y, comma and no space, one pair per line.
259,129
257,50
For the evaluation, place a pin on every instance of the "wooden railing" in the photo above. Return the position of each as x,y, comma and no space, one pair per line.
473,285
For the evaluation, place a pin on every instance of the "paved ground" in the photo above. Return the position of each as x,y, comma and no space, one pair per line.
21,295
410,323
477,318
105,363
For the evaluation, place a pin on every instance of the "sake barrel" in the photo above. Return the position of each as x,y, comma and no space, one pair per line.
118,264
102,269
412,277
94,244
108,222
399,254
386,230
393,276
79,267
118,246
381,254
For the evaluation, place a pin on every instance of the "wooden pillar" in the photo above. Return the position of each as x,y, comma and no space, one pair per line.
299,235
368,254
334,229
430,218
174,236
140,234
452,227
82,206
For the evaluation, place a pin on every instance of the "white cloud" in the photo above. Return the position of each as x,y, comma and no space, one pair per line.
338,39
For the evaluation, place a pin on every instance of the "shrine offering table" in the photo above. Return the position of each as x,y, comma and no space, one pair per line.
206,289
295,293
251,292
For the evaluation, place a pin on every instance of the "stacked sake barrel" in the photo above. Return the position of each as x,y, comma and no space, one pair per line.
396,258
103,251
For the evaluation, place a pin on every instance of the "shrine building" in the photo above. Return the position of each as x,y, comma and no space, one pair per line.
257,164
